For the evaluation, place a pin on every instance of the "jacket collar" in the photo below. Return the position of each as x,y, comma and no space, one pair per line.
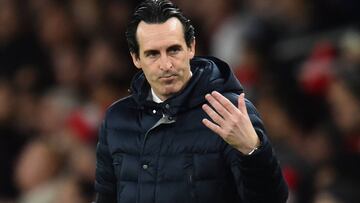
209,74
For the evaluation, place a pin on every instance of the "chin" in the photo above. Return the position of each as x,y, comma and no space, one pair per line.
168,91
168,94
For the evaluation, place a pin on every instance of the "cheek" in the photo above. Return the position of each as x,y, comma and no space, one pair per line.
152,79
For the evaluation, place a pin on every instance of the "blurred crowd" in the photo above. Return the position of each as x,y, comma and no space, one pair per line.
63,62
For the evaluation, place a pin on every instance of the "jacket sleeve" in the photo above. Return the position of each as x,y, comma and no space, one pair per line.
105,180
258,176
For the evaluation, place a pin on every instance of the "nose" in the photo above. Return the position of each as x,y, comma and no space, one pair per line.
165,63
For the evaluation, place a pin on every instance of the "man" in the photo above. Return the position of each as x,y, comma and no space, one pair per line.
184,134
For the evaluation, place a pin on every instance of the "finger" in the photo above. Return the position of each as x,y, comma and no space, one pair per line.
217,106
241,103
224,102
213,115
212,126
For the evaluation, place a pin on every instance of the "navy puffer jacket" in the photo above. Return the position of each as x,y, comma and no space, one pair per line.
145,157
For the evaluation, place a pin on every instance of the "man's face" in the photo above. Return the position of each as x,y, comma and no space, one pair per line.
164,56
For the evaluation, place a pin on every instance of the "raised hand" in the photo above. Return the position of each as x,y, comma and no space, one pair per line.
230,122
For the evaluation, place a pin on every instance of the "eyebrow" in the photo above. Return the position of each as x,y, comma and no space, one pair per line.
175,46
150,51
154,51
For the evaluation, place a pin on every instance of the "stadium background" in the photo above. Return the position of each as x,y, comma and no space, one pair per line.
62,62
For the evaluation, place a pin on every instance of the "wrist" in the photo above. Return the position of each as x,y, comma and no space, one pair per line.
253,149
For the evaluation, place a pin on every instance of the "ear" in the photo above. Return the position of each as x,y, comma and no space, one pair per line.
136,60
192,49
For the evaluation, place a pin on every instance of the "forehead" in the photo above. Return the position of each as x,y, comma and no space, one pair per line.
155,36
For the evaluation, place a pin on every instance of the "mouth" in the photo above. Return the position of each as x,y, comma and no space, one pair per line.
168,78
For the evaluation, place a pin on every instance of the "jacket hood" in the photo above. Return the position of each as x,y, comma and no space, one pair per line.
209,74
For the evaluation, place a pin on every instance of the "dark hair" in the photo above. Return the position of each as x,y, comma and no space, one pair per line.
156,12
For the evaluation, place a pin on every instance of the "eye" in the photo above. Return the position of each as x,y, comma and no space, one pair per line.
151,54
174,50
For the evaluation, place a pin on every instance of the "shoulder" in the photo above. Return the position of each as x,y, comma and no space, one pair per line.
120,107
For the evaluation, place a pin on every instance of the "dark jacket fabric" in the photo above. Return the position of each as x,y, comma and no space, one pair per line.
162,153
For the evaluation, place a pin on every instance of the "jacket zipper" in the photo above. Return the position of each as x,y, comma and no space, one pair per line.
162,120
